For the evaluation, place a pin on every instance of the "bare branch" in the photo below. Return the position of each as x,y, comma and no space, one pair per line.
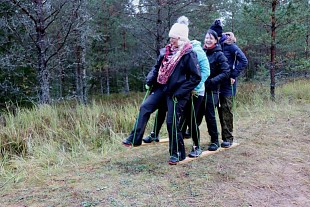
65,38
54,14
17,3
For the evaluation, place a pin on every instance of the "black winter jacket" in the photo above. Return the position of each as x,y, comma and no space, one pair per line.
219,68
184,78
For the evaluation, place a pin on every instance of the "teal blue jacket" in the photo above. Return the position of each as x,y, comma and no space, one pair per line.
203,64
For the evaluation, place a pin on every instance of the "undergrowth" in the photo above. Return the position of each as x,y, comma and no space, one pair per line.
52,136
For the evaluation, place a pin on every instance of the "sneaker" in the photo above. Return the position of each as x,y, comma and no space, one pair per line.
226,144
213,147
196,151
175,159
128,142
151,138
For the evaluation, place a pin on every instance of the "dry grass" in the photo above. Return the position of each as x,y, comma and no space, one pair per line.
269,168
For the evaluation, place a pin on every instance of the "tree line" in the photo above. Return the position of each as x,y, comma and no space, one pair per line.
77,49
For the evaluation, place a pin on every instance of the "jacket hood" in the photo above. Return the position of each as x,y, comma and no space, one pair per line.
195,43
230,38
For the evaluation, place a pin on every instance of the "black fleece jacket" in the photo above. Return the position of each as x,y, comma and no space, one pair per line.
219,68
184,78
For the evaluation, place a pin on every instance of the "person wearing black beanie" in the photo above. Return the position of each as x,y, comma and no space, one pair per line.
217,27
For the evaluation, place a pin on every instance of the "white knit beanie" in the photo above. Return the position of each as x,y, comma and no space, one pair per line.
180,29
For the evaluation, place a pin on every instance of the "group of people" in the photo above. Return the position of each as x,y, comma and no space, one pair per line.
189,82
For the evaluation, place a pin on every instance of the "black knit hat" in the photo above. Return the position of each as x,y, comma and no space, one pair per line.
217,27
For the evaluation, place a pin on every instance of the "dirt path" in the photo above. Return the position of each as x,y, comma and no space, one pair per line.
271,167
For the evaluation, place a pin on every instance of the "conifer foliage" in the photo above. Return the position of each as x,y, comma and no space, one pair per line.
55,50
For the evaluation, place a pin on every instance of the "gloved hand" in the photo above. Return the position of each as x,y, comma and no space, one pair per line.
194,93
232,81
147,87
175,99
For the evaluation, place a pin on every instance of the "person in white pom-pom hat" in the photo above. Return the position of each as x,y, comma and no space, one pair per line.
192,107
171,81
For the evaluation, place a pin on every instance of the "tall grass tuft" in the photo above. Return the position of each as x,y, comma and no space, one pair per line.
297,90
54,133
253,99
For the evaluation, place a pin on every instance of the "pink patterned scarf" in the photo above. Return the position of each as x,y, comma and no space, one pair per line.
171,59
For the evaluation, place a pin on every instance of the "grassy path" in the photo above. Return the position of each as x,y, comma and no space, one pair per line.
271,167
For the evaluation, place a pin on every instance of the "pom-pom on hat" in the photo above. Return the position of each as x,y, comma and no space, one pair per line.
217,27
180,29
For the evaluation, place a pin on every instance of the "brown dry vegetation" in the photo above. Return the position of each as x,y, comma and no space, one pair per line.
270,167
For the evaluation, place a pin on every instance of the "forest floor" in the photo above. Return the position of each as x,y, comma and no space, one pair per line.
270,167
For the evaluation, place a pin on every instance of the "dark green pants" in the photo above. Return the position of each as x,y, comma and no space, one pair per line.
226,117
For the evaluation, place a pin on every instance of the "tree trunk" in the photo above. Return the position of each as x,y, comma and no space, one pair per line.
159,25
101,82
107,80
307,45
80,62
273,50
84,91
307,34
43,72
125,69
61,73
80,71
232,22
80,89
126,82
105,51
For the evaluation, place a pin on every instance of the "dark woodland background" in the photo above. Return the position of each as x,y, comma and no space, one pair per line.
79,49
